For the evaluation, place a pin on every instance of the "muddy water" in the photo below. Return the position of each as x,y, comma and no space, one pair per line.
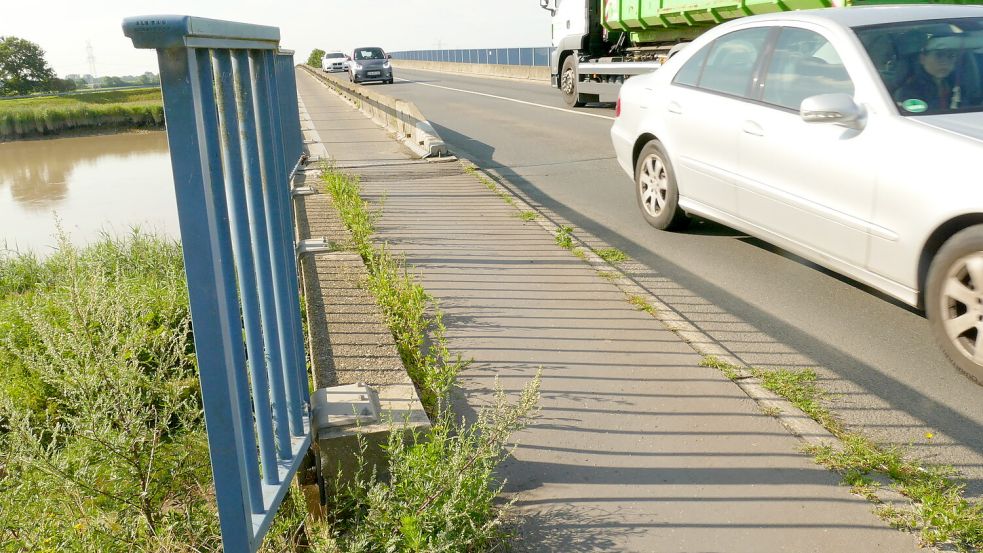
95,184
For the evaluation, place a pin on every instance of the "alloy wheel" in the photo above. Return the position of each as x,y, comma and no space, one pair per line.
653,184
962,306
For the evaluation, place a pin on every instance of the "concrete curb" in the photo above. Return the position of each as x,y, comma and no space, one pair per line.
515,72
396,115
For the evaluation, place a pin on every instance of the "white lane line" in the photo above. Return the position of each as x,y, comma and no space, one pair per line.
510,100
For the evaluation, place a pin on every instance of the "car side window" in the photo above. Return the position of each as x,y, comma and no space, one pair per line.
689,74
732,60
803,64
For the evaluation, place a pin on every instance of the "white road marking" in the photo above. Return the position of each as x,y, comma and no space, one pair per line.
510,100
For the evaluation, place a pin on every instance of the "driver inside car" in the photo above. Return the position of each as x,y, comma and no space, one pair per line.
945,78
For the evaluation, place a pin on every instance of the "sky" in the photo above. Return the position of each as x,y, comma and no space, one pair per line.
64,27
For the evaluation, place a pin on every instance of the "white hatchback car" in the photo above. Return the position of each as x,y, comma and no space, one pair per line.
852,137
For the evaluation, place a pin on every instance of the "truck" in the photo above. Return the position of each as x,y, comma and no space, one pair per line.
597,44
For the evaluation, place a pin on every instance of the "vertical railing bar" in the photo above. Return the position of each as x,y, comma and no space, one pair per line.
296,141
284,72
284,98
290,127
229,121
254,183
283,375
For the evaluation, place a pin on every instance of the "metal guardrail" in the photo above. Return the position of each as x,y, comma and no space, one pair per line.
230,103
537,57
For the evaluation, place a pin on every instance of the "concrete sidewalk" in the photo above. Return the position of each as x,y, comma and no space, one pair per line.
637,447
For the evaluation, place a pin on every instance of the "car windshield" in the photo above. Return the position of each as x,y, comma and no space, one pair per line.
929,67
332,55
369,54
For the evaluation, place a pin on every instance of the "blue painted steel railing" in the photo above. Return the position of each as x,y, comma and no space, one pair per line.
490,56
230,103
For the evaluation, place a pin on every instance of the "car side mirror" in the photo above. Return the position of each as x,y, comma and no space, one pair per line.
389,56
549,5
839,109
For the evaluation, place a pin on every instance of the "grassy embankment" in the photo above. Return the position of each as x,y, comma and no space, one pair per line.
111,109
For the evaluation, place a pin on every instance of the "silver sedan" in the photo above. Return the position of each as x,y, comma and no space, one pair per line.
852,137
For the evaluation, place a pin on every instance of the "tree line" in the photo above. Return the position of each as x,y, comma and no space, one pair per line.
24,70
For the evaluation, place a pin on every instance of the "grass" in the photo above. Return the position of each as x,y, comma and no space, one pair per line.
102,436
441,491
527,215
613,256
642,304
23,117
939,512
102,443
564,237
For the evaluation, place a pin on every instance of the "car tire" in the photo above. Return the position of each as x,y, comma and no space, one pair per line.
568,84
656,190
954,300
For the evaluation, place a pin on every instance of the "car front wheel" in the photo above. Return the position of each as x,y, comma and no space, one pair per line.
954,300
656,190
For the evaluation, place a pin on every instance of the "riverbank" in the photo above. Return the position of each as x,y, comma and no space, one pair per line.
25,118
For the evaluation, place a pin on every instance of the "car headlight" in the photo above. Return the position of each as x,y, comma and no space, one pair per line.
386,65
357,67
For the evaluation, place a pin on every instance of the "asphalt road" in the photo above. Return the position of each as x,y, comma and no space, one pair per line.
765,305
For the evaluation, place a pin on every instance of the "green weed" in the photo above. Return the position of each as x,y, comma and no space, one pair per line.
613,256
564,237
642,304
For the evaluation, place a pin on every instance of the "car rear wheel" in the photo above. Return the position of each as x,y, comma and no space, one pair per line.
954,300
655,189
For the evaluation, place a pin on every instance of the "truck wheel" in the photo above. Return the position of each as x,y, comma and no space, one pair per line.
954,300
655,189
568,84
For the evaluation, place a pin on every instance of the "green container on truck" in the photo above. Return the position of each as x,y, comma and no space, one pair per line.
597,44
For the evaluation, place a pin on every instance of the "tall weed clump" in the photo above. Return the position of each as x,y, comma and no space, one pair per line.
440,490
102,443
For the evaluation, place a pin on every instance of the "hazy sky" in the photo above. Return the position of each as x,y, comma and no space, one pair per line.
62,27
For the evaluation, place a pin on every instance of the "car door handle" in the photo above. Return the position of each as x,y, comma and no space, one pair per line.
752,128
673,107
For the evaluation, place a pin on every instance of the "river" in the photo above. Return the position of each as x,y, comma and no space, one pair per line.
90,185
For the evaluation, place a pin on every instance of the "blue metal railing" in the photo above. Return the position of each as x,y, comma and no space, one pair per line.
230,102
492,56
